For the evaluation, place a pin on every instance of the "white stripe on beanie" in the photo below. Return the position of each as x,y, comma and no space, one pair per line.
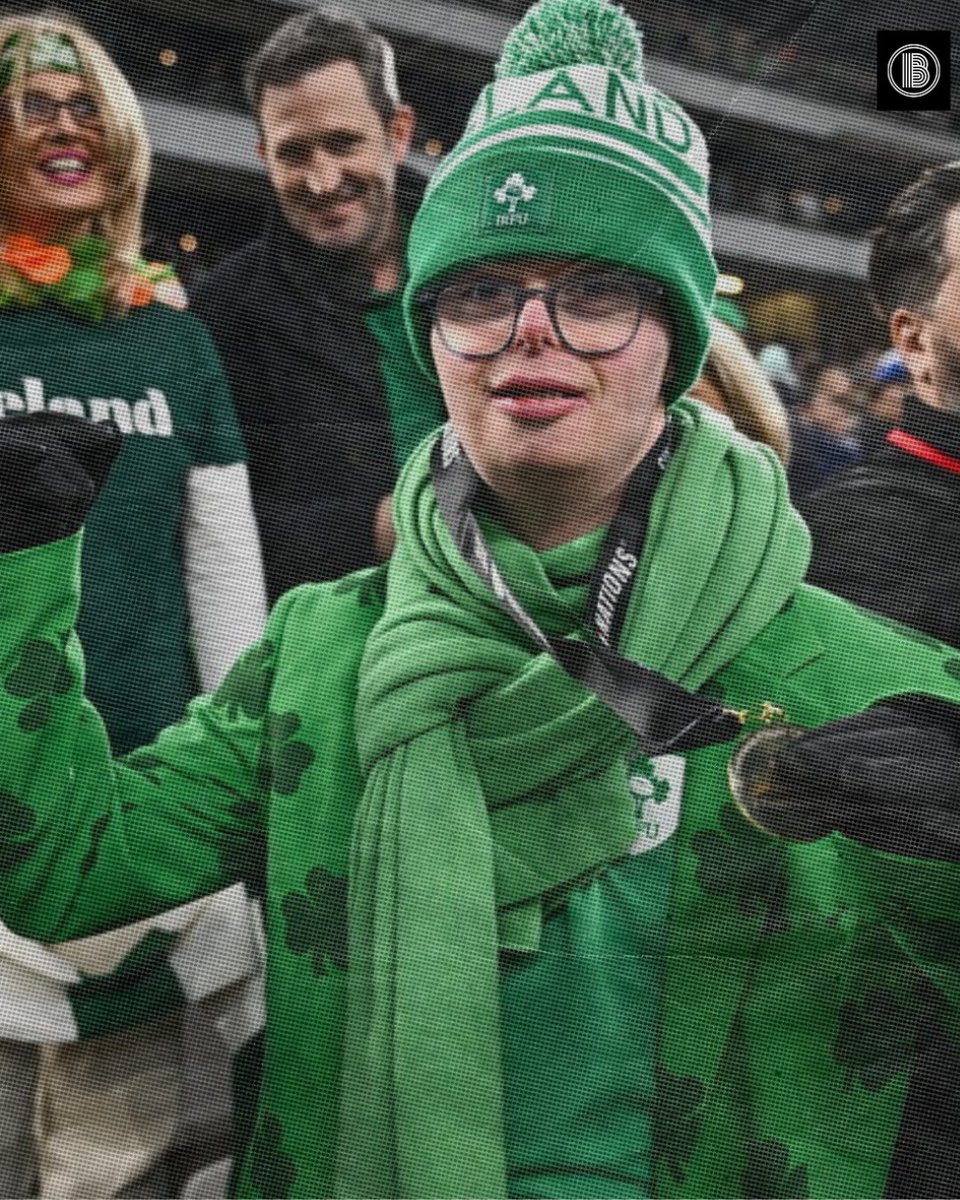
591,147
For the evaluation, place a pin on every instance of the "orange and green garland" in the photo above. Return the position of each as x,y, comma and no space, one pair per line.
74,277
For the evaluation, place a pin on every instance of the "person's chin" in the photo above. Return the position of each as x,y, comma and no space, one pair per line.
338,237
70,207
544,435
541,450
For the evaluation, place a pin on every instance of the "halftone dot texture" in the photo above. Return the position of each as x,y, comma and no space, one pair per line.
570,154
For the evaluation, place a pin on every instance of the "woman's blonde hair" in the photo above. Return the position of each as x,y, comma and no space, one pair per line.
748,396
126,148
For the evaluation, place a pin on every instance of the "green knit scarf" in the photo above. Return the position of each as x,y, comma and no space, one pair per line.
494,781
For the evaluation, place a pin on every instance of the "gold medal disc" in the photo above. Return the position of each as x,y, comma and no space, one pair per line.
761,797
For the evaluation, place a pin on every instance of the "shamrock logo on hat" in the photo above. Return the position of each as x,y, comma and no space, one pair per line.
514,190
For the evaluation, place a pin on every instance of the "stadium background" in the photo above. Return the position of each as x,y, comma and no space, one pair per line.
803,163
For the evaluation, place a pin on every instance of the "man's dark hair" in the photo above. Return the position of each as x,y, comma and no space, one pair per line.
907,261
314,39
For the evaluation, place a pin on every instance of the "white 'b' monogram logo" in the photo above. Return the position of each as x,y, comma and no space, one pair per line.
913,70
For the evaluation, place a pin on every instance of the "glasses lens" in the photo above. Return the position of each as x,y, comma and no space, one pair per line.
40,109
477,315
85,111
599,311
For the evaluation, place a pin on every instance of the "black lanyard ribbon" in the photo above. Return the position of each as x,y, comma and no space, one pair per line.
663,715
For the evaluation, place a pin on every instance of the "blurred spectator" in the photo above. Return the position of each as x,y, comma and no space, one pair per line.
806,206
769,202
887,535
308,317
824,431
777,365
890,385
733,383
809,359
888,389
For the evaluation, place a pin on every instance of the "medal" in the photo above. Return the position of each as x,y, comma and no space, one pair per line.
759,792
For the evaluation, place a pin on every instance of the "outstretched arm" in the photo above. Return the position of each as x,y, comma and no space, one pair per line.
888,780
86,842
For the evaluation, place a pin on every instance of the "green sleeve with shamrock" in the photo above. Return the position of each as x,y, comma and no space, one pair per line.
800,979
916,902
88,842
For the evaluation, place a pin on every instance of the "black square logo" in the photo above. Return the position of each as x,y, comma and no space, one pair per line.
913,69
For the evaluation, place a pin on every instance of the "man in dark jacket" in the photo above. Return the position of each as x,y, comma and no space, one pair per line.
886,534
307,318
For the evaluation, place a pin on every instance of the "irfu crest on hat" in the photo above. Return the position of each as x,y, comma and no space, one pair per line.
514,201
514,191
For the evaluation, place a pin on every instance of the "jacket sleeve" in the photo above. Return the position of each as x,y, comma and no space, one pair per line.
214,303
917,903
88,842
851,659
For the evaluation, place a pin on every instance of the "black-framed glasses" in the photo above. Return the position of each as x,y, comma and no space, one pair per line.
593,312
40,109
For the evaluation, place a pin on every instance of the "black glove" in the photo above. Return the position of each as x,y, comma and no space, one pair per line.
888,777
52,466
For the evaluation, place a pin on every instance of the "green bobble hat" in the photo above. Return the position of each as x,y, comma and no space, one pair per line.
569,154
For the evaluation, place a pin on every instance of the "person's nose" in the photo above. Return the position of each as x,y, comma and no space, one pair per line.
324,174
65,123
534,326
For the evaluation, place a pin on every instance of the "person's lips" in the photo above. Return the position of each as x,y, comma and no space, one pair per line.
536,398
66,167
335,208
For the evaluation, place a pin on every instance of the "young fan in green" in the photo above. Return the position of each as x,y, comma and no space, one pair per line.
509,953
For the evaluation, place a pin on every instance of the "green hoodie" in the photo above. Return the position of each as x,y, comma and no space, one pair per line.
680,1006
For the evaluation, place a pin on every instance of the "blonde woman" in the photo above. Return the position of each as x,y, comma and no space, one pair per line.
88,328
732,382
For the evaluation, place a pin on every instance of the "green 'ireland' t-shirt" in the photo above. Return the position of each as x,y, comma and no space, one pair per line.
156,374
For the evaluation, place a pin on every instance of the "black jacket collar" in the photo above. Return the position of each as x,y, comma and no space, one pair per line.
932,425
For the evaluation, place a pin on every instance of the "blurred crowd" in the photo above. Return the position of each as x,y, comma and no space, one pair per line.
808,183
777,52
838,412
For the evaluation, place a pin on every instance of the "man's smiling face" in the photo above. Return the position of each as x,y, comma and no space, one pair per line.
331,160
